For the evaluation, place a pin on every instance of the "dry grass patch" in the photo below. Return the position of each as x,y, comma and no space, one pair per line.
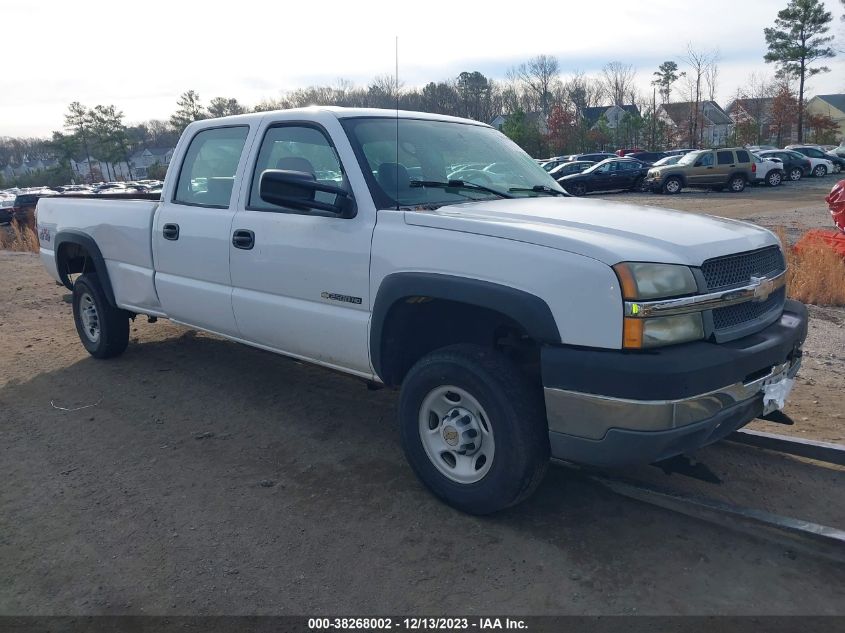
18,237
816,272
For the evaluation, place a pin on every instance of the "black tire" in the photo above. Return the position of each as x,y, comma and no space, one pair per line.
110,335
774,178
795,174
819,171
516,419
672,185
576,189
837,168
736,184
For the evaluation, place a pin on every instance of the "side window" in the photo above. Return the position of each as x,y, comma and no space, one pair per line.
296,148
706,160
725,158
208,169
742,156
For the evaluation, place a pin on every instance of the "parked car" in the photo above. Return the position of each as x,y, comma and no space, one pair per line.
768,170
647,157
572,167
7,212
627,152
595,157
822,163
679,152
668,160
731,167
609,175
795,165
24,206
520,323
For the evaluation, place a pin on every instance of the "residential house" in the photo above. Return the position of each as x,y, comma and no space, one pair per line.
832,106
711,125
143,159
96,170
754,123
613,114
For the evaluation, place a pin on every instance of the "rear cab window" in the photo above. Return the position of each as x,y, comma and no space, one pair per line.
208,170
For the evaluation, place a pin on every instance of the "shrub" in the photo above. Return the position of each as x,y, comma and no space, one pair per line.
816,272
18,237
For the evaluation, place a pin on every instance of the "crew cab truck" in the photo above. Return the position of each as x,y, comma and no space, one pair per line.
519,322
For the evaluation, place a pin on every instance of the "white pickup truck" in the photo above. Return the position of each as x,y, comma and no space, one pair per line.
431,253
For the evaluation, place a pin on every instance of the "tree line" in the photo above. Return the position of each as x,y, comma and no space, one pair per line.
545,111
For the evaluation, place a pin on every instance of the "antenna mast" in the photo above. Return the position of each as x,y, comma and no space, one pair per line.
396,79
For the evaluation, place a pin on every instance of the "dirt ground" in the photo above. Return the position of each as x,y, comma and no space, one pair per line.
206,477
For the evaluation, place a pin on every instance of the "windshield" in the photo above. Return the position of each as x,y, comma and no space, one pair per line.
431,152
690,158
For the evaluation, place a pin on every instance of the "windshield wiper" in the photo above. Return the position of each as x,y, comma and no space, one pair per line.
458,184
540,189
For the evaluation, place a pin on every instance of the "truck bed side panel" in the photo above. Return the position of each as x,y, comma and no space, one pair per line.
122,231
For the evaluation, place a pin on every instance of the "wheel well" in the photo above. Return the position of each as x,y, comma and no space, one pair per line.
418,325
71,259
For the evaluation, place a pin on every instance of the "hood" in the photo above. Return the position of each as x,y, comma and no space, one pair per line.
610,232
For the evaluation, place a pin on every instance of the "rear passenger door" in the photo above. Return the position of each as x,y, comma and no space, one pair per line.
725,164
191,231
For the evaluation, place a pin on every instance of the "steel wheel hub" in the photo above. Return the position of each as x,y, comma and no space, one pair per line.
456,434
89,317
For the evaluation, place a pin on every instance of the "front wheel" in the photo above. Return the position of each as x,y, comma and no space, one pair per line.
736,184
819,171
102,328
672,186
774,178
473,428
795,174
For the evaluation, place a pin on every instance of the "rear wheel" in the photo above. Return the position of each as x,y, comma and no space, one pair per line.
795,174
102,328
736,184
473,428
672,185
819,171
837,168
639,184
774,178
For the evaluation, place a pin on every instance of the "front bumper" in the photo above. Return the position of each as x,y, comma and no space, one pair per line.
612,408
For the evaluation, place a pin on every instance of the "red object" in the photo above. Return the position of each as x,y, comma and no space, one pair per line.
836,203
834,239
753,168
625,152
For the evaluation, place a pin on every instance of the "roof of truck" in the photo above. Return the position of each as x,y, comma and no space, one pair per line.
346,113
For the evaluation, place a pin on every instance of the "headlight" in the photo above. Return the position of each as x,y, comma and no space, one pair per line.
659,331
642,281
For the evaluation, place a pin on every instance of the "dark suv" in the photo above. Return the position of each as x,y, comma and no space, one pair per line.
716,169
795,165
24,208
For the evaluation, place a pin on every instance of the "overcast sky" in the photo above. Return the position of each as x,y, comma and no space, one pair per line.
140,56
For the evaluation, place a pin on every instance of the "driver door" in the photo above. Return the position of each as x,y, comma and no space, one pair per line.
703,171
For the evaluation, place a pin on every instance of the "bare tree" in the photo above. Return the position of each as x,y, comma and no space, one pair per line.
711,75
618,80
538,74
699,63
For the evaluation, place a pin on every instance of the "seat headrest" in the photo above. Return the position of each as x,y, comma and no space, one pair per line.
393,177
295,163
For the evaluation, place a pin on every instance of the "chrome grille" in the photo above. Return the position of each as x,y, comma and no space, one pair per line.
742,313
737,270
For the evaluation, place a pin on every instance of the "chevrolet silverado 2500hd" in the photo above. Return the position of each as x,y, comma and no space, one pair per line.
431,253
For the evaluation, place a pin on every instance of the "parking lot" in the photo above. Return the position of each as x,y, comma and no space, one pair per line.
197,476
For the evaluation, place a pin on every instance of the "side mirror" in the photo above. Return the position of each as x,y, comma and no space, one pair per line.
298,189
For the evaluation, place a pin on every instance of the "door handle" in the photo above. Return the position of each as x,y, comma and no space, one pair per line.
243,239
170,231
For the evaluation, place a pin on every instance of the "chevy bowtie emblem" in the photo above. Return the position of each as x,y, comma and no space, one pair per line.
762,288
